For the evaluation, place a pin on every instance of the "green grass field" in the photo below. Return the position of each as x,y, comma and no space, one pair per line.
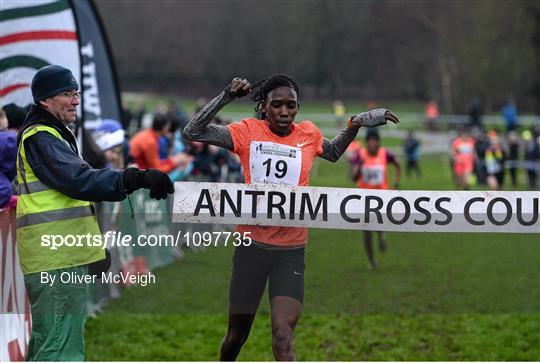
433,297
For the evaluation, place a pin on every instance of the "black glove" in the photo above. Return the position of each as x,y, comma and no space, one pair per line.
158,182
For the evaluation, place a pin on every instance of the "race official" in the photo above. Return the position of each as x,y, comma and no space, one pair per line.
56,191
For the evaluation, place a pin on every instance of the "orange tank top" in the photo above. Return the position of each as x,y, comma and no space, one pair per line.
269,158
463,150
374,170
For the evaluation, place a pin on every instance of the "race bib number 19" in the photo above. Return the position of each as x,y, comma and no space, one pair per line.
273,163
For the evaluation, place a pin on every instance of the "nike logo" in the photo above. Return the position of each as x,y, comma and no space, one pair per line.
300,145
297,273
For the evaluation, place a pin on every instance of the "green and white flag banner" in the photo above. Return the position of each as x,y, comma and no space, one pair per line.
358,209
36,33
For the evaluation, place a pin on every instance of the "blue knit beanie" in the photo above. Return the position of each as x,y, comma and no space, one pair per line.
50,81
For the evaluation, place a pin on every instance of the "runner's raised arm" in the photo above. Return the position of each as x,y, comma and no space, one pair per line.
199,127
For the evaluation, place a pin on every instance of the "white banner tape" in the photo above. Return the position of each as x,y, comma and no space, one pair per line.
361,209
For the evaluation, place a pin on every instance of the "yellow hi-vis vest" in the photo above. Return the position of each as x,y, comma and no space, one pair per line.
45,216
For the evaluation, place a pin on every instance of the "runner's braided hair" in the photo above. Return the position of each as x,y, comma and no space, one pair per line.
262,88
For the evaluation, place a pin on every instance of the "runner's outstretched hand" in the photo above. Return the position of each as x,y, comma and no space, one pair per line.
373,118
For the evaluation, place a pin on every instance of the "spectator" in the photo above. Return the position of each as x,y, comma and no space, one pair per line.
177,115
510,115
126,116
532,156
411,149
164,146
234,170
481,144
475,114
139,114
339,113
179,148
207,161
371,104
144,147
513,156
110,138
8,157
495,157
15,116
432,114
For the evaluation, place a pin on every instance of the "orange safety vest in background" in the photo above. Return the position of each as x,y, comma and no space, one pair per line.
432,111
374,173
463,153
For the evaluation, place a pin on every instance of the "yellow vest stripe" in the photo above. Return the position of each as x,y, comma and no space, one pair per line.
33,187
53,216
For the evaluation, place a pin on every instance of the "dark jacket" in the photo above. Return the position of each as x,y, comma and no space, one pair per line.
59,165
